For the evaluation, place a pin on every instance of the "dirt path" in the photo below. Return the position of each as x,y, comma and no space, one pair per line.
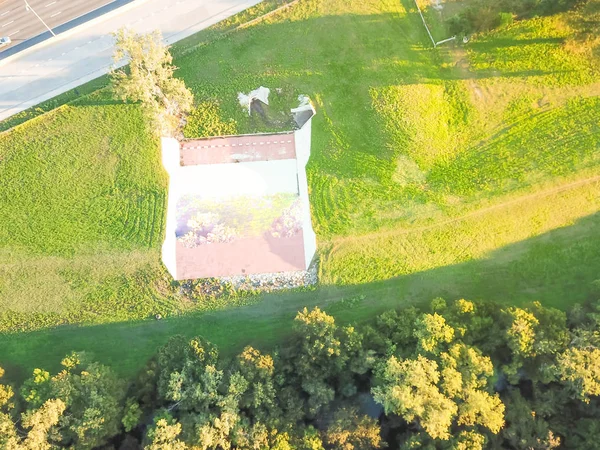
482,211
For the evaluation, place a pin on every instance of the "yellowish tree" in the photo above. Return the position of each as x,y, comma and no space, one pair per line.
150,79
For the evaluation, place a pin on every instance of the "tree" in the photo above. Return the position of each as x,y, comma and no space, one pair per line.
165,435
150,80
476,324
8,433
393,333
580,369
439,394
93,397
187,374
466,375
468,440
260,397
410,389
317,356
432,333
525,429
40,422
351,431
535,336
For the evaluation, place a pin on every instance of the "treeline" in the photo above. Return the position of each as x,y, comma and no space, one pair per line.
465,376
485,15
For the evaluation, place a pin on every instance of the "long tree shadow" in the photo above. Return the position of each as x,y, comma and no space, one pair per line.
557,268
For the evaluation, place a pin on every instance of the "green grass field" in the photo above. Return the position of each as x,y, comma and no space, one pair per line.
460,172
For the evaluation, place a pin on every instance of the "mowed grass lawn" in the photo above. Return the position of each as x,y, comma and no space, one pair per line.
451,172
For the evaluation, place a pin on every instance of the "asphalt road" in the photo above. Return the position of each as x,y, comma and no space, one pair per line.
85,52
19,24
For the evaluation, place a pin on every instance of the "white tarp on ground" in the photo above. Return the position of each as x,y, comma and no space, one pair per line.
262,94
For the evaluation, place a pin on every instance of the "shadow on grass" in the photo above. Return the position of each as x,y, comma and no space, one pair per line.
485,45
556,268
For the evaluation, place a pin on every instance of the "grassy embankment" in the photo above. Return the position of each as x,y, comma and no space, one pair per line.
455,173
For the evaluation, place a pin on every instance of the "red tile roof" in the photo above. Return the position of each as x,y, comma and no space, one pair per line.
251,255
232,149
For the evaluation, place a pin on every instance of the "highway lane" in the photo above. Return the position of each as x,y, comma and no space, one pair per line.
19,24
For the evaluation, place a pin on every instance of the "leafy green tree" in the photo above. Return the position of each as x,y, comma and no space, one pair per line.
164,435
439,395
476,324
525,429
359,358
310,440
432,333
150,79
40,422
410,389
580,370
466,375
468,440
393,333
93,397
351,431
132,415
8,432
318,356
520,337
535,337
584,434
260,397
187,375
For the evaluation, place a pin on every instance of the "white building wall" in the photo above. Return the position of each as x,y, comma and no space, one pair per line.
303,139
170,159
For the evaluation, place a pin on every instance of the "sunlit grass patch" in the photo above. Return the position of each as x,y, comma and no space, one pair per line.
552,143
534,50
380,256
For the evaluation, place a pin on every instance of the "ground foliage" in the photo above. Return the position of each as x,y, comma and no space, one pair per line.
458,375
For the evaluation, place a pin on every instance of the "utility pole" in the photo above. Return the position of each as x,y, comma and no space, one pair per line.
29,8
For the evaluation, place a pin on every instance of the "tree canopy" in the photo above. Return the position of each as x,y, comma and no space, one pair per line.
411,378
149,79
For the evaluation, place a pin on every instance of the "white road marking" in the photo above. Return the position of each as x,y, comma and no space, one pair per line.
14,32
4,13
49,4
7,23
55,14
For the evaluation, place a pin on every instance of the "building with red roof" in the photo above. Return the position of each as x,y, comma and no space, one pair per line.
239,205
